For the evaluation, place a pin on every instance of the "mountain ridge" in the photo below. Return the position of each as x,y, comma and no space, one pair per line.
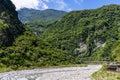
30,15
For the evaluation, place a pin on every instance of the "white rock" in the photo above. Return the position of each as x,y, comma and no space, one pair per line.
22,79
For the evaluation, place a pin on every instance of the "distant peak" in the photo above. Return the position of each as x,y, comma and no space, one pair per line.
39,10
27,9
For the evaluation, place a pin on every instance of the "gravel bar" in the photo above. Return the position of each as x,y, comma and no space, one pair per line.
66,73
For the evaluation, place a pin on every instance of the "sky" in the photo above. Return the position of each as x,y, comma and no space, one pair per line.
65,5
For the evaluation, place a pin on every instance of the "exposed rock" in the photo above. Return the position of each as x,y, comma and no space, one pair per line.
82,47
100,44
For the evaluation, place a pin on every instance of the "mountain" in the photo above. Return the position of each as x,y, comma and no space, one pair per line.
88,35
38,27
39,20
20,48
10,26
32,15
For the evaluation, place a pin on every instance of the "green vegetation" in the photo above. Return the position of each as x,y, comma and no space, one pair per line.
79,36
30,51
38,27
38,21
88,34
116,52
20,48
32,15
10,26
103,74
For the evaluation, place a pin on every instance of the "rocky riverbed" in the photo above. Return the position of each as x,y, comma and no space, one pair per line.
66,73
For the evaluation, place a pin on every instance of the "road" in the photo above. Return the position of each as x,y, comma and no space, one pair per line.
66,73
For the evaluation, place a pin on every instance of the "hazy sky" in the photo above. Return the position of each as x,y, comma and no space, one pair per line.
66,5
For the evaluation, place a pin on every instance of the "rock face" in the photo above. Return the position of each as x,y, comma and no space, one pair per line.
10,26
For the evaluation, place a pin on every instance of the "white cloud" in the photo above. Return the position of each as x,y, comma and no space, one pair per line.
29,4
41,4
58,4
46,0
78,1
69,9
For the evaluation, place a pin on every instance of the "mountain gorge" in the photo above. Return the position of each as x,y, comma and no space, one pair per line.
20,48
87,35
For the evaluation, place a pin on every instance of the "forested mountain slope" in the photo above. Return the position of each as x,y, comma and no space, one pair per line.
79,35
39,20
32,15
38,27
20,48
88,34
10,26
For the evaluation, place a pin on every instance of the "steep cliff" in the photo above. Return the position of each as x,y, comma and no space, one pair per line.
10,26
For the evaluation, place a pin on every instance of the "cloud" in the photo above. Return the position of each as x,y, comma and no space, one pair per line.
78,1
41,4
61,4
46,0
29,4
58,4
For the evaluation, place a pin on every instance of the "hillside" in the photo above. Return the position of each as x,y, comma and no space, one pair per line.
39,20
78,36
20,48
38,27
10,26
31,15
88,34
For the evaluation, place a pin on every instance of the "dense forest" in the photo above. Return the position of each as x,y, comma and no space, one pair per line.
20,48
38,27
88,34
39,20
31,15
76,37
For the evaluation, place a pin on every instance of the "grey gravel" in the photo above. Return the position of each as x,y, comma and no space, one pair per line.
66,73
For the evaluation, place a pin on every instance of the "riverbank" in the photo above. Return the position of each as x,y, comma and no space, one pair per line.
103,74
66,73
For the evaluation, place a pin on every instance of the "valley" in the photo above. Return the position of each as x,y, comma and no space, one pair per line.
53,38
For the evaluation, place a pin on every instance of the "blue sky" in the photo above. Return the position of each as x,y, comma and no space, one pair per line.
66,5
92,4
